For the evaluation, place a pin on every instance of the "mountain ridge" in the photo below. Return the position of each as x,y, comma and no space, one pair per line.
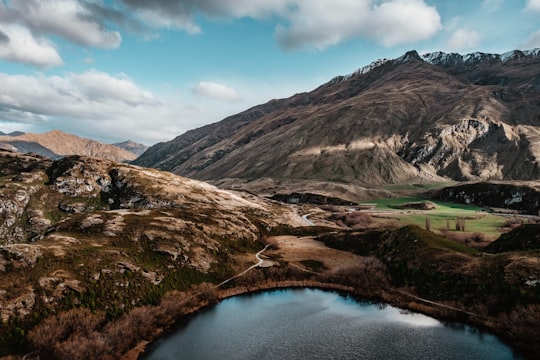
444,59
55,143
403,120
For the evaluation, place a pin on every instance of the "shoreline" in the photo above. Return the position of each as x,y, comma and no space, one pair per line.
391,297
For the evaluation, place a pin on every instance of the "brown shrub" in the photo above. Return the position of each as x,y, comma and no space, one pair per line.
63,333
354,219
513,222
371,273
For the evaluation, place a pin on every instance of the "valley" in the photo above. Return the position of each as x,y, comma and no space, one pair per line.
412,182
92,248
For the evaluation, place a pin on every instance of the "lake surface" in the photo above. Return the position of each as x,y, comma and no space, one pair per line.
316,324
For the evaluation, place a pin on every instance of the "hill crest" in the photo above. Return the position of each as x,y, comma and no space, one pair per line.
56,143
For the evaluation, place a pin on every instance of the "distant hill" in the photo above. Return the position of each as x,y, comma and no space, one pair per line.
56,144
414,118
16,133
13,133
132,147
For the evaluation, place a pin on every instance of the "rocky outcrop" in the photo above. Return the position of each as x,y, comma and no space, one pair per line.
525,198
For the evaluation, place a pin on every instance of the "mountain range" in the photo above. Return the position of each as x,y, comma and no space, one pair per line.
55,144
411,119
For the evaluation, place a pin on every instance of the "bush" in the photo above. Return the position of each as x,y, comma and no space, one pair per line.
354,220
513,222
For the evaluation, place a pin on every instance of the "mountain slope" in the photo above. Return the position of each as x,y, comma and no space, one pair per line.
470,117
132,147
55,144
102,237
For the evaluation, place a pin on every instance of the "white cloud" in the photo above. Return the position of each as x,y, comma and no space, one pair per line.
492,5
69,19
99,86
216,91
404,21
90,96
533,5
182,14
307,23
533,41
27,25
20,45
104,106
86,104
464,38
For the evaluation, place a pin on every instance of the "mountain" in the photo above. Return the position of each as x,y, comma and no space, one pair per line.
13,133
132,147
411,119
55,144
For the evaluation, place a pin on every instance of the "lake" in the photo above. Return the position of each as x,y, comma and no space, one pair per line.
316,324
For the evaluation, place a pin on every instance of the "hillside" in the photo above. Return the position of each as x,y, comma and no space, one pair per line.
91,249
55,144
520,196
107,237
415,118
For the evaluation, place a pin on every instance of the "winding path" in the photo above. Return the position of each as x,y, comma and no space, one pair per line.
309,222
259,263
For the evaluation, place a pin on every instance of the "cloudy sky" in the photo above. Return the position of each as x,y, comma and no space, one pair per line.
149,70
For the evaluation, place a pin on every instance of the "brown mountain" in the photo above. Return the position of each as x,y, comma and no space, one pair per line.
415,118
55,144
132,147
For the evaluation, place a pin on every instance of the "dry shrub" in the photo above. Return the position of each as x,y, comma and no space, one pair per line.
92,346
207,292
513,222
65,332
465,238
129,329
354,220
370,273
479,237
273,242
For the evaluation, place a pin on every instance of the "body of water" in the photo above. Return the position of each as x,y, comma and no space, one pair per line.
316,324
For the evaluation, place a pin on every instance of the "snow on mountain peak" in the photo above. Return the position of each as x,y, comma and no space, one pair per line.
445,59
441,58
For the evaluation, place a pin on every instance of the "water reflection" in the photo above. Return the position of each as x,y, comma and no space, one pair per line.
314,324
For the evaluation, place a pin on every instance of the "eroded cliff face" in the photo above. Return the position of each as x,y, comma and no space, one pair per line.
476,149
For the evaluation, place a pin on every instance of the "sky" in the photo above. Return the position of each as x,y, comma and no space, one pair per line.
150,70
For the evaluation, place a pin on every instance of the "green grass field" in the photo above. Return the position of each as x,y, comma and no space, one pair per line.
477,219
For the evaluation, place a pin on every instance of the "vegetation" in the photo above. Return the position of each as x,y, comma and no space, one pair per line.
313,265
477,220
433,266
523,238
92,276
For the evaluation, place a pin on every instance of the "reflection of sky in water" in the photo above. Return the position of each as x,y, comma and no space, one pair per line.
312,324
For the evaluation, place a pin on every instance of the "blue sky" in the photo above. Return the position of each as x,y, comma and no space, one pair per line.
150,70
